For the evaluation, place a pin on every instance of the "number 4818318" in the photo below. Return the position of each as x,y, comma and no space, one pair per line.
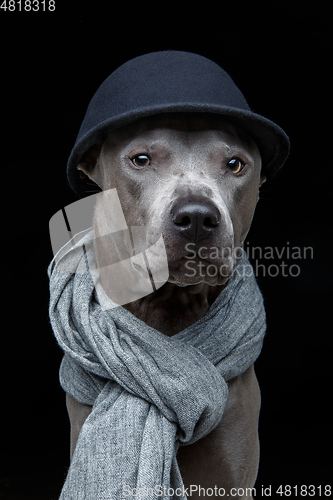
28,5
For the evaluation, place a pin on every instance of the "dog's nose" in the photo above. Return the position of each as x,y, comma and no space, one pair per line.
195,220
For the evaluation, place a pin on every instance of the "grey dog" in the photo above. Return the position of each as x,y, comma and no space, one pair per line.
192,174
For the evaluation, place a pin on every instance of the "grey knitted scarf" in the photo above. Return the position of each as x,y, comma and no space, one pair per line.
149,392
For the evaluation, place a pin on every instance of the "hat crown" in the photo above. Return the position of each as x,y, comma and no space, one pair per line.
162,78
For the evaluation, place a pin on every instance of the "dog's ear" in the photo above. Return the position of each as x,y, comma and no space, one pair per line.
88,162
263,178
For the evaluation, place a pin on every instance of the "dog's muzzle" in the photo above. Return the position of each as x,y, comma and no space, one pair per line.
199,240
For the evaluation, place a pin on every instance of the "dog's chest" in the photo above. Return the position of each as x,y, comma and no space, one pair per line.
172,309
168,318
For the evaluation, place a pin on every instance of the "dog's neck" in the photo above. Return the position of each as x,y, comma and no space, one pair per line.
171,308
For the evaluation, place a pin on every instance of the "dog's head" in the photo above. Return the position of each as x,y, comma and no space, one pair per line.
192,178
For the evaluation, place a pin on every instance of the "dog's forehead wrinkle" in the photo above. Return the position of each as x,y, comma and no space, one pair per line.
162,135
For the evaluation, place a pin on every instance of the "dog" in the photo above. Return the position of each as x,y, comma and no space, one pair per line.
195,179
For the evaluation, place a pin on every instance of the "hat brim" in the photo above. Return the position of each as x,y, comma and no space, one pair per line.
273,143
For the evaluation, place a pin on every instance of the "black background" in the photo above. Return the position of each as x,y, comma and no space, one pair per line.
51,64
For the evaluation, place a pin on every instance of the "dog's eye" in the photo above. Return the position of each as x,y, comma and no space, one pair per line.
141,161
235,165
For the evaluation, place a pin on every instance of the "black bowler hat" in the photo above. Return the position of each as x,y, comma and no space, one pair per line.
172,81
